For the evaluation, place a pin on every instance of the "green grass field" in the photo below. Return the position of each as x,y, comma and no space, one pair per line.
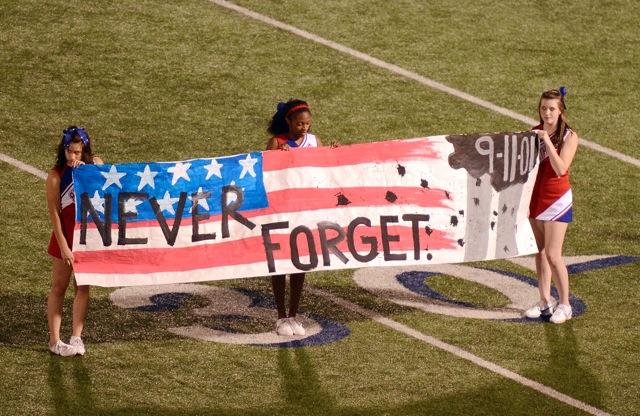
155,81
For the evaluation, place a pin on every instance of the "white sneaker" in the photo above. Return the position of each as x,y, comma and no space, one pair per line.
562,314
283,328
538,310
78,344
62,349
297,328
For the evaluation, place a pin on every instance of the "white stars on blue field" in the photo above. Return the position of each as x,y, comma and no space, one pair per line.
165,181
146,178
248,166
213,169
112,177
97,202
167,203
180,171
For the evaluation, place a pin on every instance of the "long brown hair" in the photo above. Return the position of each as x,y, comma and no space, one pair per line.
561,129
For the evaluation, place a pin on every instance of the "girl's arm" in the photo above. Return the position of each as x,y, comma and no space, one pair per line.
53,206
272,144
561,162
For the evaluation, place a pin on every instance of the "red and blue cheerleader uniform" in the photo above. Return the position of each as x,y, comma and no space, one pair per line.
67,211
308,141
551,199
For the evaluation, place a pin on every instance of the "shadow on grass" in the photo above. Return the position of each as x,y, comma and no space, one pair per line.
564,369
300,384
559,366
70,395
24,320
302,393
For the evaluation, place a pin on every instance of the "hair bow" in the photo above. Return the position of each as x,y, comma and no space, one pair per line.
67,135
563,91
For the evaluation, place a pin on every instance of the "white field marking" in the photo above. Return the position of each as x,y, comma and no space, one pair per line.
529,262
397,326
459,352
23,166
412,75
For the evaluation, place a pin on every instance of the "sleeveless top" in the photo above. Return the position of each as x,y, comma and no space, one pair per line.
552,199
308,141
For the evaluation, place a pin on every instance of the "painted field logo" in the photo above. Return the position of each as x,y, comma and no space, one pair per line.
409,286
234,310
230,308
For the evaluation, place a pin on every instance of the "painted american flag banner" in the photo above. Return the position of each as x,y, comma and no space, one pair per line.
438,199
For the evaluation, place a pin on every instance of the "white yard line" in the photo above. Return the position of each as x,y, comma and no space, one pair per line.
23,166
458,352
404,329
412,75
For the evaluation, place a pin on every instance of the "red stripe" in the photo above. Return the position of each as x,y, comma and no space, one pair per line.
249,250
311,199
387,151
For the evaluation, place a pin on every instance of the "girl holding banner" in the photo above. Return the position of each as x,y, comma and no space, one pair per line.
290,127
550,210
73,150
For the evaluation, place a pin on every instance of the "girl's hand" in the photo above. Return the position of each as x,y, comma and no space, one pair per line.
284,147
334,144
67,256
543,135
75,163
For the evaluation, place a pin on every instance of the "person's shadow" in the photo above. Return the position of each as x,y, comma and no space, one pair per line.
301,386
567,373
70,395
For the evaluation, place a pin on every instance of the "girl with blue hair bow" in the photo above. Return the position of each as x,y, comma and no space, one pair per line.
73,150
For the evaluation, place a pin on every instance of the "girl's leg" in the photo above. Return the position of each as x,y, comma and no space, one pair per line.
80,306
297,281
554,233
61,273
278,283
543,270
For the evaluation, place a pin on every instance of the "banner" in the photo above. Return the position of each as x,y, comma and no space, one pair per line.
440,199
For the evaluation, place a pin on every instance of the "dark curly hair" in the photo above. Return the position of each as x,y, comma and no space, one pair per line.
286,111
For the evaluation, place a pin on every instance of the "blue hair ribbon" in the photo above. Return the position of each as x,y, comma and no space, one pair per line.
563,91
67,136
281,107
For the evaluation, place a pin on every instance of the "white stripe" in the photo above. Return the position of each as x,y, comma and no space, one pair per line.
458,352
304,142
412,75
369,174
67,197
558,207
23,166
564,211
